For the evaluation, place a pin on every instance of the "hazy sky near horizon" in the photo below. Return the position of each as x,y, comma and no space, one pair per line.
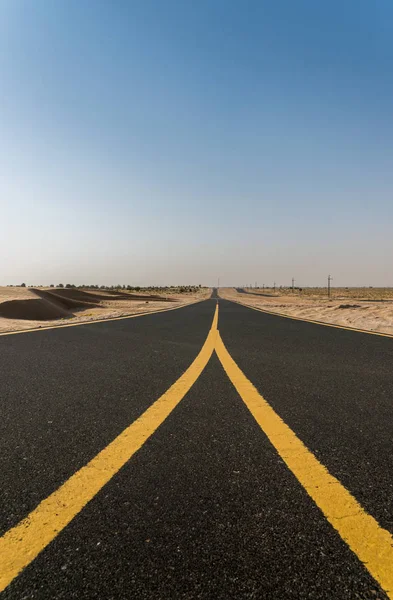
167,142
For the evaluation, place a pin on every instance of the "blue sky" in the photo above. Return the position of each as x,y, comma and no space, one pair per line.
165,142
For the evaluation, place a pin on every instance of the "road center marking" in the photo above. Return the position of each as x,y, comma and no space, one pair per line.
20,545
372,544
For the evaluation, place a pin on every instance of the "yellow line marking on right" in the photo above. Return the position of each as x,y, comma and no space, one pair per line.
372,544
20,545
277,314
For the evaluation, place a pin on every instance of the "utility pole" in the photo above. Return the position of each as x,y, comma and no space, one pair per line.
293,284
218,285
329,280
274,287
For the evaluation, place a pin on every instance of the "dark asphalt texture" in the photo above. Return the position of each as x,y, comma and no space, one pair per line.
206,508
66,393
333,387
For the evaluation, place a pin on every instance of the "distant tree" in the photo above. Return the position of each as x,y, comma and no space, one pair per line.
60,285
22,285
68,285
51,285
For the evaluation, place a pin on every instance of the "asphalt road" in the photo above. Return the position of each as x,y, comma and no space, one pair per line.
206,508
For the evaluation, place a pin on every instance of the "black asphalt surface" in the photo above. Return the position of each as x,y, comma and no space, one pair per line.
333,387
206,508
66,393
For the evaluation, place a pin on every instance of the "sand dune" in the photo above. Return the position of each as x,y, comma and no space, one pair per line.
32,309
81,295
44,305
65,300
94,296
61,303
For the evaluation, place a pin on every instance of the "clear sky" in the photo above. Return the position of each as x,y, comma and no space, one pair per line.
168,142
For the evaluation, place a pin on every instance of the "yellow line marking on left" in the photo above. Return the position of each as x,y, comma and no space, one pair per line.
372,544
20,545
94,321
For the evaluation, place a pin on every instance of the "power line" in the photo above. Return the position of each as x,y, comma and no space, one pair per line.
329,280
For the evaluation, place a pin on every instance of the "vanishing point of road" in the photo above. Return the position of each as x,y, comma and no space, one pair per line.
212,451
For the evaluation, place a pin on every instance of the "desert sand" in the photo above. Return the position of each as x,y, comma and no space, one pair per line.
372,311
31,308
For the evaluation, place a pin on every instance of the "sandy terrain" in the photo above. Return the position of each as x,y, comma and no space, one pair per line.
372,311
29,308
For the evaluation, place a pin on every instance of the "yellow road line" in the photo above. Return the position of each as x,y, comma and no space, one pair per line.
93,322
277,314
372,544
21,544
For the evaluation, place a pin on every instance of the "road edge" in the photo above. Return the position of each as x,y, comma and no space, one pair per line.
277,314
94,321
